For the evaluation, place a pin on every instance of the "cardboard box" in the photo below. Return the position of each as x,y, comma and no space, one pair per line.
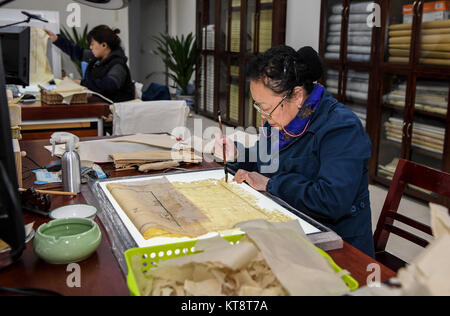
432,11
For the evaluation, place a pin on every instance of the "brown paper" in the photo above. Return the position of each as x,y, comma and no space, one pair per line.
155,166
440,220
289,253
273,259
145,160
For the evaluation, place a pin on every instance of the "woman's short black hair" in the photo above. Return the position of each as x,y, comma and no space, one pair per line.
104,34
281,68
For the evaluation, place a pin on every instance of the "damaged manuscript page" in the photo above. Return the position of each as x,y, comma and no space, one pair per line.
156,208
159,208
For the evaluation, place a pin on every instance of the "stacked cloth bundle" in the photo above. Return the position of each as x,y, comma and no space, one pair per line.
154,160
427,137
332,82
357,91
435,43
359,40
388,171
431,96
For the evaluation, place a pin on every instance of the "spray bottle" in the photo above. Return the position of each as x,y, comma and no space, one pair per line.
70,162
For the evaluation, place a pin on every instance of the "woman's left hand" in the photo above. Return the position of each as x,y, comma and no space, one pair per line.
254,179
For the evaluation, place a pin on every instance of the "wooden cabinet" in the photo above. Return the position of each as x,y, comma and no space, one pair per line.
348,47
229,33
409,83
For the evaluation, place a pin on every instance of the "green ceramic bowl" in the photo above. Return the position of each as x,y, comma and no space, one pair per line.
65,241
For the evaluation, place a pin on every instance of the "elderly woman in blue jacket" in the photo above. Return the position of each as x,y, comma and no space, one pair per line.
321,149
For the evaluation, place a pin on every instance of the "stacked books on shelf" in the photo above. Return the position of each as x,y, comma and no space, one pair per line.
265,29
424,136
234,94
359,42
435,36
431,96
235,26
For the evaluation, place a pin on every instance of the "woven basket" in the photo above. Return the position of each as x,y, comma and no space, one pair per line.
49,97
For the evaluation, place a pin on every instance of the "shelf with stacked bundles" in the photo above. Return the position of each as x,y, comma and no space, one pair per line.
418,111
416,149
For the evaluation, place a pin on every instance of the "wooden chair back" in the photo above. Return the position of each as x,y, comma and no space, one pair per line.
407,172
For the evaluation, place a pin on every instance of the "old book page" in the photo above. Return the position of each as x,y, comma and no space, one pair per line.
157,209
40,72
225,204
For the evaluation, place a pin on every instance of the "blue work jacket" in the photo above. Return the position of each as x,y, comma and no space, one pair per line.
324,173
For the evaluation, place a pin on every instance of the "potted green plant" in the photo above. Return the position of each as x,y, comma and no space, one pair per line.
179,56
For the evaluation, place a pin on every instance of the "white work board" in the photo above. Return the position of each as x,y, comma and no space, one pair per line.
187,177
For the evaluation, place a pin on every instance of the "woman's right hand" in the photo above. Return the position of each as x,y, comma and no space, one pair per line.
51,36
230,148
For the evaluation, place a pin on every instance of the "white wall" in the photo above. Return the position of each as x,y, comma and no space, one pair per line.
89,15
181,17
303,23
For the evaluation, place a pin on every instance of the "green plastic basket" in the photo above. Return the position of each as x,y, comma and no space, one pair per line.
150,257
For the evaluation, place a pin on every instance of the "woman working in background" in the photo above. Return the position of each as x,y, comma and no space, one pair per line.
323,149
107,72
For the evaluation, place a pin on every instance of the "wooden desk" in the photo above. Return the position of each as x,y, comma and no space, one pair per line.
101,274
37,116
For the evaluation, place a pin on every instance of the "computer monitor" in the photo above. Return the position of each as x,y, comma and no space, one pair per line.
12,229
16,54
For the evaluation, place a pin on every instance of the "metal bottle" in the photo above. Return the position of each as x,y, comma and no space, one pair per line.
70,162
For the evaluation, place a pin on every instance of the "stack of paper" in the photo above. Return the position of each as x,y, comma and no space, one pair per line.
427,137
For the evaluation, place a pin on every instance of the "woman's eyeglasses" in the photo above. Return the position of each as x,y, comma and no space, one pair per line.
257,106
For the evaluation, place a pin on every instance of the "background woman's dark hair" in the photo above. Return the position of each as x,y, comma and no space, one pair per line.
104,34
281,68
